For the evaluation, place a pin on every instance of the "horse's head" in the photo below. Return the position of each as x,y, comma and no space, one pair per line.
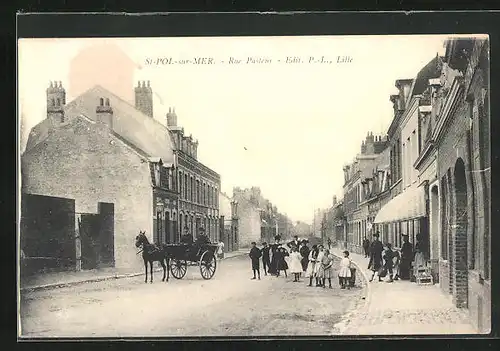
141,239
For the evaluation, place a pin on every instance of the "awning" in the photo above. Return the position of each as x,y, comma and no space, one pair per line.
409,204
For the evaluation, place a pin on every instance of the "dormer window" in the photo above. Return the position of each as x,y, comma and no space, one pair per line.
157,174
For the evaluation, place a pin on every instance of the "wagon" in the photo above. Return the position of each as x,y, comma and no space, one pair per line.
184,255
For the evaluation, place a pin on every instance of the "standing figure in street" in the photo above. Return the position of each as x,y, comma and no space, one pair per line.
366,247
317,266
274,249
313,255
220,249
388,261
326,269
295,264
294,243
345,271
329,242
281,264
376,249
406,258
396,260
255,256
266,260
304,253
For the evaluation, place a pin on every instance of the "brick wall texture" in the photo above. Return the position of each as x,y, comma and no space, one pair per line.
81,160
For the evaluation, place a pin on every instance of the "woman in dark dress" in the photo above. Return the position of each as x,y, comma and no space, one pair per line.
274,249
406,259
376,249
304,252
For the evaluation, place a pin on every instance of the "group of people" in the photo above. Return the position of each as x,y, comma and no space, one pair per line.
394,263
316,262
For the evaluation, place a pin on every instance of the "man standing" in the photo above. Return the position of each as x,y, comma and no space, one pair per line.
376,249
255,254
266,258
329,244
366,246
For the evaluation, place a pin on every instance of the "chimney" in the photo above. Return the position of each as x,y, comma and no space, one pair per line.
104,113
144,98
369,148
171,117
56,99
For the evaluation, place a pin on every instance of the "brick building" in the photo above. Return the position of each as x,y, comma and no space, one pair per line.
357,177
407,210
198,185
98,148
461,136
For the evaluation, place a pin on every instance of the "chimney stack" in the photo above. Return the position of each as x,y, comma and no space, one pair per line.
171,118
144,98
104,113
56,99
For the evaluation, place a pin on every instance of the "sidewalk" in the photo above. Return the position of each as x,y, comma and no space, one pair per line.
69,278
404,308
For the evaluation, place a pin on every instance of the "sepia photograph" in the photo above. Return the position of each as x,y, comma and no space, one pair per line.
254,186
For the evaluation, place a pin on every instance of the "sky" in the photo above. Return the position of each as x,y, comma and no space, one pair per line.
288,128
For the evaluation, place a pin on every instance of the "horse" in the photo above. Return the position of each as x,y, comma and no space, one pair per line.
153,253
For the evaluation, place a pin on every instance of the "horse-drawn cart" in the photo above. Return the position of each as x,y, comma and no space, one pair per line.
184,255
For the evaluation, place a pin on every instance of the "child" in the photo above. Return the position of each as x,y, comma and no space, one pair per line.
295,264
317,266
312,264
281,264
254,256
326,269
345,271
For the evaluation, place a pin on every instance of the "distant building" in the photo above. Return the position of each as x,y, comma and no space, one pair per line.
249,216
229,223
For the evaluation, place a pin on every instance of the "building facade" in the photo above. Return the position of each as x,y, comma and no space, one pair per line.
249,216
462,139
198,185
357,185
99,148
228,222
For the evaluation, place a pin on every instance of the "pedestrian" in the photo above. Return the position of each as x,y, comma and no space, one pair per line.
295,264
366,247
266,261
304,253
220,249
376,249
326,269
396,260
281,264
317,266
388,261
313,255
406,258
274,249
255,254
345,270
294,243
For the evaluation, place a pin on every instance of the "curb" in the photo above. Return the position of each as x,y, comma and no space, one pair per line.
95,280
344,324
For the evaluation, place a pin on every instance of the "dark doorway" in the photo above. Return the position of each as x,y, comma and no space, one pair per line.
460,224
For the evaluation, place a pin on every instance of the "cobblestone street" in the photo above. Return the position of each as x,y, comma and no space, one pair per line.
403,307
228,305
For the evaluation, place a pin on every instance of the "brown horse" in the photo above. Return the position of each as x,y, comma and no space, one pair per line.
153,253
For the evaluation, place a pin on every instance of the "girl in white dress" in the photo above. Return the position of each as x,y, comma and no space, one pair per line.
312,263
317,266
345,270
295,265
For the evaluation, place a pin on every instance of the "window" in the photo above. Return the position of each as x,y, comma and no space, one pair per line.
186,187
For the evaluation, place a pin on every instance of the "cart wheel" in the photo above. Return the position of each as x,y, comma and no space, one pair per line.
208,265
178,268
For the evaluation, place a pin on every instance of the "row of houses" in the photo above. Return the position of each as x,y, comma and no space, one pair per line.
101,149
430,177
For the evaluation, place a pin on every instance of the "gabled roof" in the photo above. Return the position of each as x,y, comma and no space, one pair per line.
431,70
141,131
